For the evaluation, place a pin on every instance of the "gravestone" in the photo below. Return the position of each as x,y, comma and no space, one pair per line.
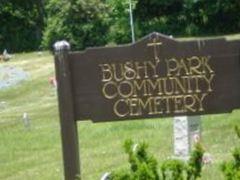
3,105
26,121
187,131
6,56
155,77
11,76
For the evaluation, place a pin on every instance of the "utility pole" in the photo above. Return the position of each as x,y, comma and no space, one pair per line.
131,21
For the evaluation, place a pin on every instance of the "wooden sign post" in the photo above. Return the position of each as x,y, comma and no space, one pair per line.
155,77
66,109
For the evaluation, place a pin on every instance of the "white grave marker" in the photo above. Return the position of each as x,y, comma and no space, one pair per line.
187,131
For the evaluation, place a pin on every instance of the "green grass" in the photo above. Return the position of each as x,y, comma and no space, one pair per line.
36,153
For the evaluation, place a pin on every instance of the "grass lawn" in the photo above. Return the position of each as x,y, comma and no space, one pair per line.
35,153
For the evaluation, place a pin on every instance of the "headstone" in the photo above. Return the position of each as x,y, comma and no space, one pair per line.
6,56
187,131
181,141
3,105
195,130
39,53
11,75
26,121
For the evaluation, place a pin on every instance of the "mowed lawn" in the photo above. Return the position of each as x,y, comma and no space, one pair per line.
35,153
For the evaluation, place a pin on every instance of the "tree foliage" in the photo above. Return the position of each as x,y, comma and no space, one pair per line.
82,23
119,25
188,17
27,24
21,24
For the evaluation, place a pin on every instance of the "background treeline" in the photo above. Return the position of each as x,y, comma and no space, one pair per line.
36,24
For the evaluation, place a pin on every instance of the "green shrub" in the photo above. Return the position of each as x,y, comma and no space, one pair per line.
142,165
231,169
173,169
194,166
145,167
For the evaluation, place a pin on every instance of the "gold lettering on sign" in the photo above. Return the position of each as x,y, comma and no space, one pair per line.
140,88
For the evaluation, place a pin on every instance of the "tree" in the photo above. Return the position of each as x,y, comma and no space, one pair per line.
120,31
21,24
188,17
82,23
162,16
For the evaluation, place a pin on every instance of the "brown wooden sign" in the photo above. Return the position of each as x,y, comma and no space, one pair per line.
156,77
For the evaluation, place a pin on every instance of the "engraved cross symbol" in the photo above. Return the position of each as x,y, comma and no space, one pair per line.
155,44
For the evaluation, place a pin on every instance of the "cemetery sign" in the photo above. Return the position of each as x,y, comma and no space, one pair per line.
155,77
